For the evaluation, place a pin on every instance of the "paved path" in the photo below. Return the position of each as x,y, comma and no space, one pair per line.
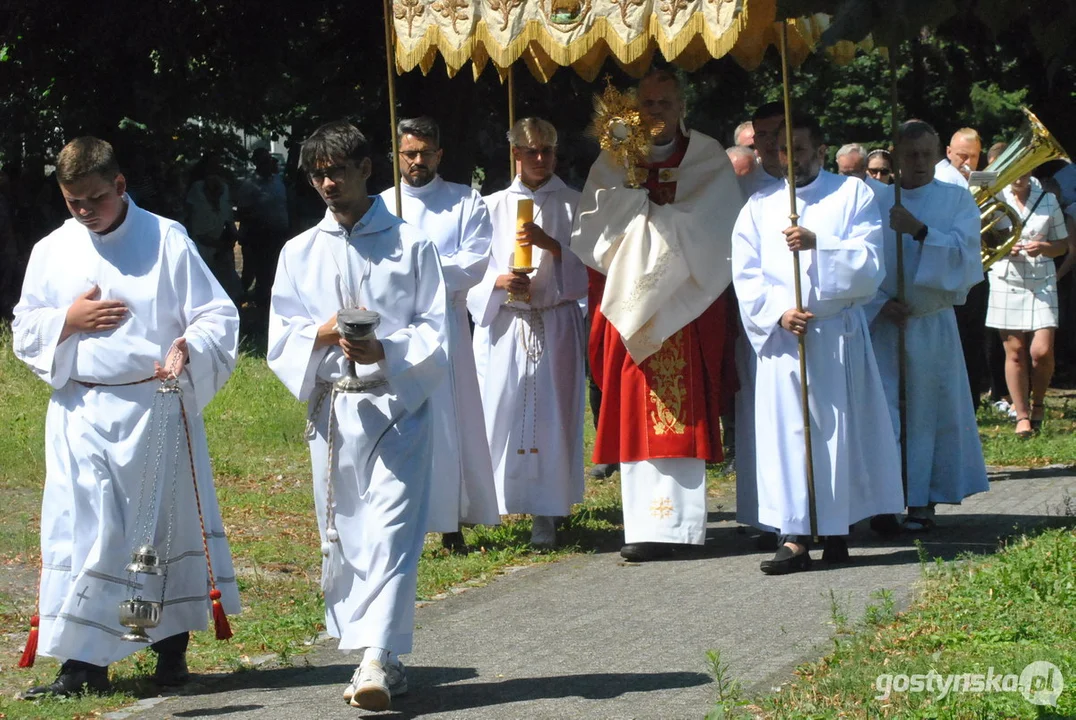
591,637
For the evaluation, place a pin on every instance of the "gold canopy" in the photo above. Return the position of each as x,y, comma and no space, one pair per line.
547,34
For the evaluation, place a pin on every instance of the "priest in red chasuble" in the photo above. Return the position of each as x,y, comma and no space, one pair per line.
660,345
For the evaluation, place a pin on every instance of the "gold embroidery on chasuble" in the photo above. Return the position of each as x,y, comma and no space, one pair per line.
668,392
662,508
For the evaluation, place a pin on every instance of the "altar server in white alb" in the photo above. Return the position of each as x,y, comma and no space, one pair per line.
530,351
939,225
454,217
108,299
370,449
839,236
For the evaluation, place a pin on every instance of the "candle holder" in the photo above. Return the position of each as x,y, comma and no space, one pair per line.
355,324
522,297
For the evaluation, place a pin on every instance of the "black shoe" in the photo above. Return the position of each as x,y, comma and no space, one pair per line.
885,525
171,670
454,542
766,542
786,561
75,678
644,551
602,472
835,550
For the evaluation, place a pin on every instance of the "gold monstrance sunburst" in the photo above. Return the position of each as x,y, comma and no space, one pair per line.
621,129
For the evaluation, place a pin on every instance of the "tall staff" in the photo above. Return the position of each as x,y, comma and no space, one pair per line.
390,61
902,361
802,339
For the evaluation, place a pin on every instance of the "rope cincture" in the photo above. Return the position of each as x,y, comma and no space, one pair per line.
220,619
532,339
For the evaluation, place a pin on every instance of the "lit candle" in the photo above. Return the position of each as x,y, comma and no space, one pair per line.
524,214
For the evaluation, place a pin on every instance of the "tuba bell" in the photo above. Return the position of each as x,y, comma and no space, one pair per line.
1001,224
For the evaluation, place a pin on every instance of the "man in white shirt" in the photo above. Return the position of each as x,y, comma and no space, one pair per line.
454,217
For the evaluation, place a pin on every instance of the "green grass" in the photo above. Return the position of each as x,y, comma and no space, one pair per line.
1056,444
1001,612
262,471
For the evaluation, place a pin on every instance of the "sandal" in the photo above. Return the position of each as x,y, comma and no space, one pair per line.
1024,434
1039,410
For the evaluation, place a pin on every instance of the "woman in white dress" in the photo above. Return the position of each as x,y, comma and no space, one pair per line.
1023,300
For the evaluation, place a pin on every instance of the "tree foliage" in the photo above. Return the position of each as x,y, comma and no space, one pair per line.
176,76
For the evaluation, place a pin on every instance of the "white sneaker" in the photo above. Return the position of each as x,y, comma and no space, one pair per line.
373,685
1002,407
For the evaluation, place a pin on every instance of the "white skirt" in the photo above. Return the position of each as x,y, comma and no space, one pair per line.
1023,296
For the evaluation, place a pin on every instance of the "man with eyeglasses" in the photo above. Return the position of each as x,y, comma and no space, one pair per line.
660,344
851,161
454,217
370,449
529,339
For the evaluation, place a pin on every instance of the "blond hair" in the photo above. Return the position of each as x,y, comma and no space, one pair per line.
532,132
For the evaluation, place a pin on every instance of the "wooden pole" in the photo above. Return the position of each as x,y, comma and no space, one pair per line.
511,121
794,218
390,62
902,356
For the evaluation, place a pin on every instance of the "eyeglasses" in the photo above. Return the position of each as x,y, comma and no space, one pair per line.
336,173
879,171
533,152
413,155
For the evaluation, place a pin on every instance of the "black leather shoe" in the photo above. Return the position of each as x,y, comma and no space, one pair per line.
454,542
835,551
644,551
75,678
602,472
786,561
885,525
767,542
171,670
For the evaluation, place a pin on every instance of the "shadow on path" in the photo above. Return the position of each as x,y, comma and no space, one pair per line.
438,689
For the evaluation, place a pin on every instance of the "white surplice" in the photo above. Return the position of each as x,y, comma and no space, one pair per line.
530,358
660,274
856,468
945,456
382,437
101,440
746,482
454,217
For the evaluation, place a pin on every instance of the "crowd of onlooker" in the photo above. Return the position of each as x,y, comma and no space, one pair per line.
253,208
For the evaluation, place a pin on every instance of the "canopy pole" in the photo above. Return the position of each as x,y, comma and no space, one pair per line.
390,62
902,359
794,218
511,121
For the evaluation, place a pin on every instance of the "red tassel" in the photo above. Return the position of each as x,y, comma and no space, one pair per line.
30,653
220,620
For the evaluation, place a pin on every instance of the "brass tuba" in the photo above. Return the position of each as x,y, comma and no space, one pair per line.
1031,148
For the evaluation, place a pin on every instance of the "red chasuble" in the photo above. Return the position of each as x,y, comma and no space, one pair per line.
670,405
